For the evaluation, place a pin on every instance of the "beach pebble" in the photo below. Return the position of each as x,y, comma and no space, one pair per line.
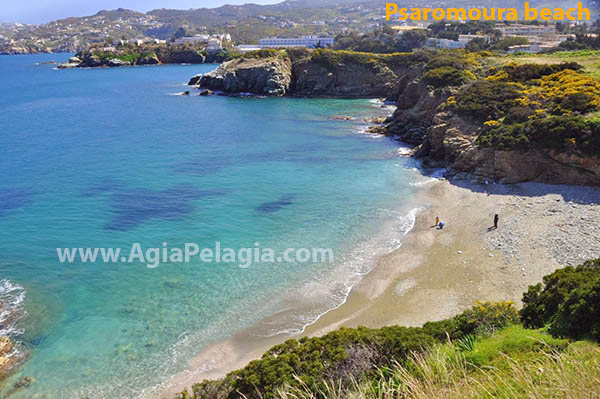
459,252
491,255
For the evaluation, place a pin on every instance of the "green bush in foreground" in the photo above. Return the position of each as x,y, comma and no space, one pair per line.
536,368
482,344
568,300
347,354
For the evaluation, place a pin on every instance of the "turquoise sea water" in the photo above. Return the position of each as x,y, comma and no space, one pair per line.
109,157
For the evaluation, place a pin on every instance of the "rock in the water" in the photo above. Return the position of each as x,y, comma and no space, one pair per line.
206,92
7,359
74,60
266,76
67,65
115,62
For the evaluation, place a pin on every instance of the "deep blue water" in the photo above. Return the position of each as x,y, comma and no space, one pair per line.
109,157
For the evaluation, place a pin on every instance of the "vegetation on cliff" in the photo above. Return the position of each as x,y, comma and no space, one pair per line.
544,106
490,350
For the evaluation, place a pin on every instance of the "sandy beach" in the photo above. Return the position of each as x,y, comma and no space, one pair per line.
438,273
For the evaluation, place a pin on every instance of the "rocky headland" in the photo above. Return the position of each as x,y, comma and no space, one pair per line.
460,110
300,72
145,54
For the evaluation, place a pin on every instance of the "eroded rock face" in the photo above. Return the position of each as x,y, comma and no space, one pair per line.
269,76
276,76
447,140
150,60
345,80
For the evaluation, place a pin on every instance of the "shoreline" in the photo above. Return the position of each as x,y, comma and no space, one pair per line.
436,274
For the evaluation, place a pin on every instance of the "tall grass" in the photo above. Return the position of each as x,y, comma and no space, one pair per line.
444,372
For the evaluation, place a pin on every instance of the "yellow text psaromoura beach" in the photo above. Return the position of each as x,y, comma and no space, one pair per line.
488,14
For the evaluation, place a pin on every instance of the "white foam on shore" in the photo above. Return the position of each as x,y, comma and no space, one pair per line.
12,297
433,177
404,151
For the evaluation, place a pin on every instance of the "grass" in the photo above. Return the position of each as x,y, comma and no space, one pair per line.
514,363
590,59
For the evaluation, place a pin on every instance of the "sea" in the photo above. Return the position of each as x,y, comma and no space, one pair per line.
116,158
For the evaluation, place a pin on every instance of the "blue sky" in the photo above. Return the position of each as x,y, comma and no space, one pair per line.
41,11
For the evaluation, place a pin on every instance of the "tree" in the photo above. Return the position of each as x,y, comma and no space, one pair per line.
412,39
477,44
181,32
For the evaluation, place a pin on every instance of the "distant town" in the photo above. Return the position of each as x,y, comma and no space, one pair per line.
236,28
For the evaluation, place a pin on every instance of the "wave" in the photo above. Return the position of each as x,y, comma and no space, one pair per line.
432,177
12,297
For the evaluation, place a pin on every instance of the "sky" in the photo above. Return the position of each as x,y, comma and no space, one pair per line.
42,11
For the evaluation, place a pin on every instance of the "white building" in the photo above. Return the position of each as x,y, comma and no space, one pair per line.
192,39
304,41
527,30
462,41
244,48
214,45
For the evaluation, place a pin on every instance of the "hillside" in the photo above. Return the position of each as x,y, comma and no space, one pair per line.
246,23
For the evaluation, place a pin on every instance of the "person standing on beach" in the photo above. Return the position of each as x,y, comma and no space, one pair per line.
496,217
437,220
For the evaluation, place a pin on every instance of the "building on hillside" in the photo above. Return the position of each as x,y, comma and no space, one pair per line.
527,30
462,41
192,39
244,48
533,47
214,45
304,41
404,28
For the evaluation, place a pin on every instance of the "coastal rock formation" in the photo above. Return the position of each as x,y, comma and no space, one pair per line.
312,77
8,360
280,75
147,54
267,76
444,139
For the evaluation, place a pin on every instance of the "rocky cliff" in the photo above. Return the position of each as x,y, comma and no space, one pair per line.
309,76
266,76
146,54
445,139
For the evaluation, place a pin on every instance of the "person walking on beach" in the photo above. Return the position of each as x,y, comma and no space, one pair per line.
437,220
496,217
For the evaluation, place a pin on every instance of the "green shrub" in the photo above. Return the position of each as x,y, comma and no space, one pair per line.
575,133
446,76
527,72
568,300
264,53
348,354
514,341
485,100
505,43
